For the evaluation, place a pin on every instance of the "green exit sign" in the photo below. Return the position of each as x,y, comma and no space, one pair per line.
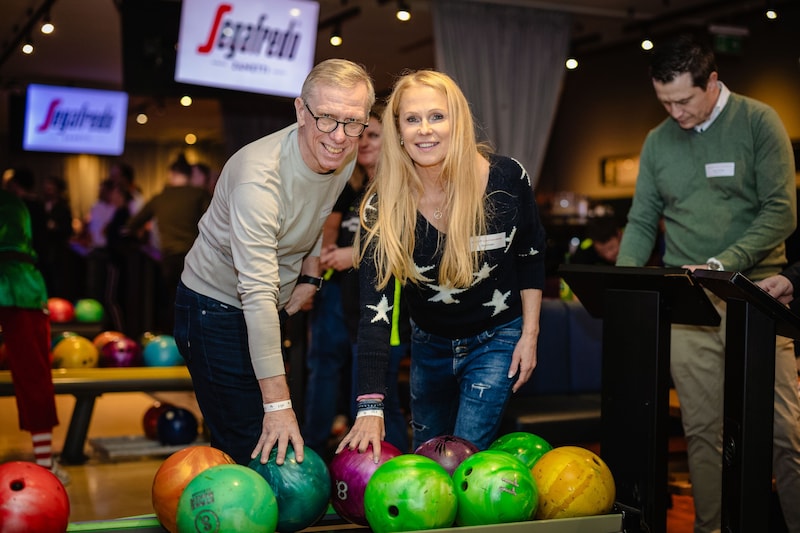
728,44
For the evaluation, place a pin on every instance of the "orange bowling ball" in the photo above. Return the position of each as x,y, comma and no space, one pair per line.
105,337
175,473
573,482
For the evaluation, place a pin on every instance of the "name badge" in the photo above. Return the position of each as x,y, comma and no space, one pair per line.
717,170
489,242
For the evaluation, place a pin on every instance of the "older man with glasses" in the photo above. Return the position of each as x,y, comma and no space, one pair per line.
257,259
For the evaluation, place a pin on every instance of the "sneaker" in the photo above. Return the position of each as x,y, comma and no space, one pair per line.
60,473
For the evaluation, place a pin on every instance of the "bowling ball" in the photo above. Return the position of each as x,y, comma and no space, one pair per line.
75,352
146,337
447,450
175,473
60,310
60,337
123,352
150,419
572,482
32,499
494,487
227,499
89,310
527,447
162,351
350,472
177,425
302,490
104,337
410,492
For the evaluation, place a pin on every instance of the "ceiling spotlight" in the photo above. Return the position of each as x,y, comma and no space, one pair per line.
336,36
47,27
27,46
142,118
403,12
190,138
186,101
647,44
571,63
771,14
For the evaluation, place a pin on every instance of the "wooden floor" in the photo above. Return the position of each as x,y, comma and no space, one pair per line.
106,488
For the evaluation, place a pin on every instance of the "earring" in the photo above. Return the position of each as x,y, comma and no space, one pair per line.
401,141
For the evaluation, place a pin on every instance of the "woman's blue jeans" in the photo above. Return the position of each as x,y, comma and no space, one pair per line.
461,386
212,338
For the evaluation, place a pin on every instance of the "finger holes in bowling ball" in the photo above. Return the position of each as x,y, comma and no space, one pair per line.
17,485
394,511
464,485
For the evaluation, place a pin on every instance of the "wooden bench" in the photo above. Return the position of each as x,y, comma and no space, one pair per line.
86,384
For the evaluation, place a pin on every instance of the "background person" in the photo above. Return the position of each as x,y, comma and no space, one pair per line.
720,171
25,328
459,228
257,254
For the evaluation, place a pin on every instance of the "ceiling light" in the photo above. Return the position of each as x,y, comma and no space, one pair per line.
186,101
647,44
27,46
403,12
771,14
47,27
141,118
571,63
190,138
336,36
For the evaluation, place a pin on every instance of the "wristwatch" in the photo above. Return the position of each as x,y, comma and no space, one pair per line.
317,282
713,264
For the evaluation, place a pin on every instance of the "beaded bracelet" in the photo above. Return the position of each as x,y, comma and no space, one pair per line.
277,406
370,404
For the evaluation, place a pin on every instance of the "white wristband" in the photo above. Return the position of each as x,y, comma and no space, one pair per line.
370,412
277,406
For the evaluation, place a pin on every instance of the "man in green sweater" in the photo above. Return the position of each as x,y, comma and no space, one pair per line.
720,171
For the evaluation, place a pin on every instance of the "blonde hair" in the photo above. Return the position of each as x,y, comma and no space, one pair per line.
338,73
397,189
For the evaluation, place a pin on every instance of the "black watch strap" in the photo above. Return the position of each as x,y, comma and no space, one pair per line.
317,282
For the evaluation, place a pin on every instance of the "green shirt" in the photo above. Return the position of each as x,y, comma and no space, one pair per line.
727,192
21,283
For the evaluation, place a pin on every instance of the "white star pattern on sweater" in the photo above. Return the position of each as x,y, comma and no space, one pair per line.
498,301
444,294
483,273
381,311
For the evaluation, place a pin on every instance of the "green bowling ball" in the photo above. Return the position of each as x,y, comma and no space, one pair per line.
89,310
494,487
227,498
302,490
409,492
527,447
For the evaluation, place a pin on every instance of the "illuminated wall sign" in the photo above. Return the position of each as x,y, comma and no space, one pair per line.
74,120
260,46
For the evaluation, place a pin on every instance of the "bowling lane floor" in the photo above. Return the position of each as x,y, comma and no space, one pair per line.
104,489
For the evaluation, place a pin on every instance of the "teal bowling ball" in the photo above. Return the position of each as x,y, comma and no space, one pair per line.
494,487
162,351
227,498
302,490
410,492
527,447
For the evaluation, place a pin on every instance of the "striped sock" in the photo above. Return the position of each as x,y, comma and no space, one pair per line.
43,448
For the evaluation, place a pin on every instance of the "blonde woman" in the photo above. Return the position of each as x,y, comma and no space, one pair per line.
459,229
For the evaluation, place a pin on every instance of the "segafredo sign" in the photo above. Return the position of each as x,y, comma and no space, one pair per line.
74,120
261,46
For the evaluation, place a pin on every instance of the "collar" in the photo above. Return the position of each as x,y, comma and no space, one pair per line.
722,99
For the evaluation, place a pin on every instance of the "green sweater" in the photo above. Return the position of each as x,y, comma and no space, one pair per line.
728,192
21,284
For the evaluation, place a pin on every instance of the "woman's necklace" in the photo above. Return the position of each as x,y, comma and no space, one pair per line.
437,213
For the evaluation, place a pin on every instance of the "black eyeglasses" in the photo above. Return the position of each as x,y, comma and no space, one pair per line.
328,125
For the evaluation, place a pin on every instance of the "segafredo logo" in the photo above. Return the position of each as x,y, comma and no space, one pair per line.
252,39
264,46
75,120
61,118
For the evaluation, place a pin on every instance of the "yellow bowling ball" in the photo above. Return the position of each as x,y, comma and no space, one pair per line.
573,482
75,352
